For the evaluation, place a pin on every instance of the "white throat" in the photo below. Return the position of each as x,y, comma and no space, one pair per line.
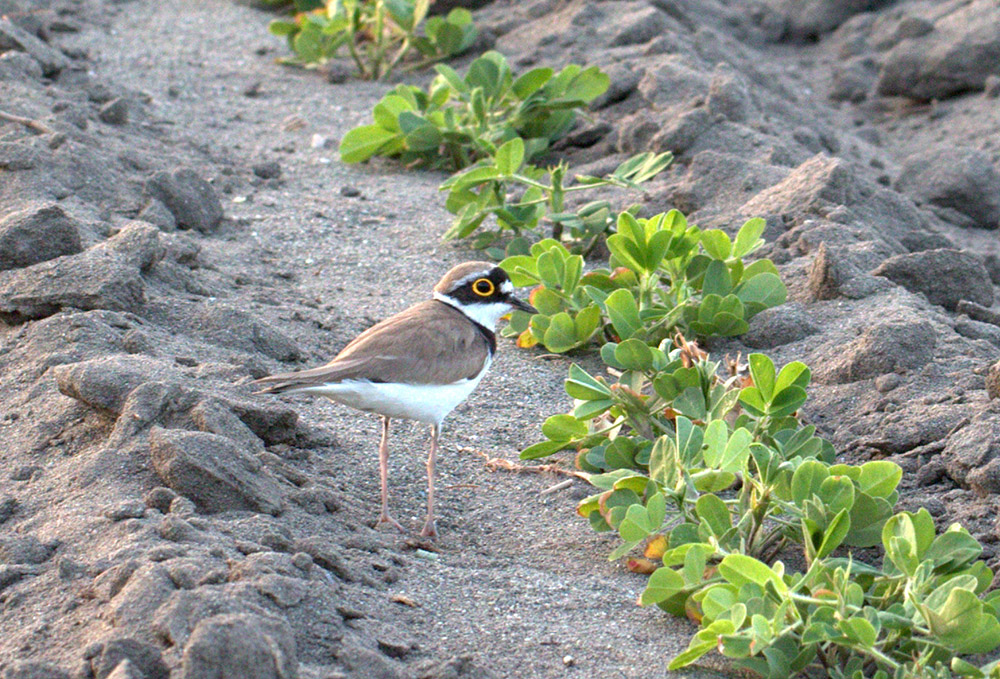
485,315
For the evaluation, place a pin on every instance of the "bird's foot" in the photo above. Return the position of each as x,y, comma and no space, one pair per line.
430,530
385,518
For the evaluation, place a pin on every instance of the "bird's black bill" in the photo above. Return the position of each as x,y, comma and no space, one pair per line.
521,305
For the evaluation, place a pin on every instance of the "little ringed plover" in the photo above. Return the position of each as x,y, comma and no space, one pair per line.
417,365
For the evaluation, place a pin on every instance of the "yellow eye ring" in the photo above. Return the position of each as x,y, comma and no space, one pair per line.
483,287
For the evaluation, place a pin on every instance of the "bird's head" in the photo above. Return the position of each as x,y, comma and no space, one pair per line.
480,290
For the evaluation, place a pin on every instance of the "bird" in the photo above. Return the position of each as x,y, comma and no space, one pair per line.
417,365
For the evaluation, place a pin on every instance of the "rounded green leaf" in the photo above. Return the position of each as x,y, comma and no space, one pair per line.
663,584
634,355
564,428
363,142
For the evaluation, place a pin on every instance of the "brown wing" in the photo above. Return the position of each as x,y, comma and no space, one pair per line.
429,343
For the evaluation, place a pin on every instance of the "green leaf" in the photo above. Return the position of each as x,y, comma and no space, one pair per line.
363,142
740,569
542,449
717,244
717,280
624,313
663,584
964,625
879,478
765,291
564,428
793,374
748,238
510,156
859,630
786,402
561,333
530,82
714,513
807,480
634,355
762,372
835,533
582,386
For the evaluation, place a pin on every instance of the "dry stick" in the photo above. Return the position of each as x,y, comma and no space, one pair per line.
35,125
495,463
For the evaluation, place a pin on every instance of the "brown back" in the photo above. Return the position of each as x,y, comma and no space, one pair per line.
429,343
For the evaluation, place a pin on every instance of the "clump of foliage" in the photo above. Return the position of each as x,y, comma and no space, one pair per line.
663,275
711,474
460,119
378,34
486,189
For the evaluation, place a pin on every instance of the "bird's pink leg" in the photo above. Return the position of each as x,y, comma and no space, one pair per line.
430,531
383,470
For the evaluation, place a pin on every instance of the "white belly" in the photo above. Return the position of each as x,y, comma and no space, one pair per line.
428,403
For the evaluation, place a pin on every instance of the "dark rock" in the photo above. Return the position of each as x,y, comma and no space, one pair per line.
803,20
978,330
127,509
363,662
19,67
15,573
956,178
899,344
215,417
835,274
978,312
159,498
972,455
944,276
961,52
272,422
110,582
349,192
144,591
13,37
8,508
728,94
853,79
213,471
33,670
232,327
638,27
778,326
284,591
240,646
992,86
886,383
819,183
114,112
327,555
930,472
191,200
455,667
107,276
144,657
993,381
126,669
268,169
177,618
106,382
24,549
36,235
157,214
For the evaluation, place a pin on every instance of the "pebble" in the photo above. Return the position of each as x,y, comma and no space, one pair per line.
349,192
270,169
115,112
886,383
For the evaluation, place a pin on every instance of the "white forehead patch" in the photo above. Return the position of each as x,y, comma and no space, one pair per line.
506,287
471,277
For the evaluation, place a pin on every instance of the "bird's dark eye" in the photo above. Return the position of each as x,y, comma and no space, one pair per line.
483,287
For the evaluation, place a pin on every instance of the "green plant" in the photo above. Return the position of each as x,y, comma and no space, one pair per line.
378,34
460,119
663,275
485,189
717,479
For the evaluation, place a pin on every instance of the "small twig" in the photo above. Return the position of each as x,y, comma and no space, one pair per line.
35,125
559,486
498,463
